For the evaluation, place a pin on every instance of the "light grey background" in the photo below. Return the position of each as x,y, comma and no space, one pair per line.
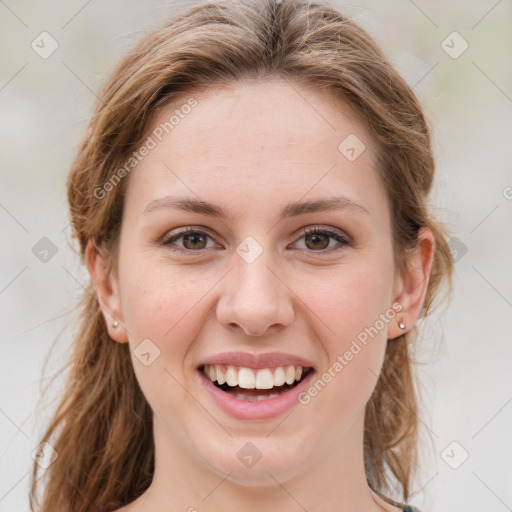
467,355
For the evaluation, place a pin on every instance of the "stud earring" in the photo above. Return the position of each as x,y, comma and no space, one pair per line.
115,324
401,324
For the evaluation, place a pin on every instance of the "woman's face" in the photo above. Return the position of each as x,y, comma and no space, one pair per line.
250,289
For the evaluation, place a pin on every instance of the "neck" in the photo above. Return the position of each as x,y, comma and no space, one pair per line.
334,481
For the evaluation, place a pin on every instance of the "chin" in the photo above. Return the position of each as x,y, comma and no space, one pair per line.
257,461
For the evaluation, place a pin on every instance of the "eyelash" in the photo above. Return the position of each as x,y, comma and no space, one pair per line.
342,240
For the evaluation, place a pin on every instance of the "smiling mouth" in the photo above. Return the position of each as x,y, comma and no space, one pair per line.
254,384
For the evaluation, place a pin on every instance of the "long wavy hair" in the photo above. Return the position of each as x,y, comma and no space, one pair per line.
102,428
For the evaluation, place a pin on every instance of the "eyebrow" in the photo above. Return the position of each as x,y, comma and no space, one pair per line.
292,209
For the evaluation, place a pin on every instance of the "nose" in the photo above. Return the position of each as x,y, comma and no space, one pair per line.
254,298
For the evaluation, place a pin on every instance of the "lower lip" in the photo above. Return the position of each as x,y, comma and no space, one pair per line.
262,409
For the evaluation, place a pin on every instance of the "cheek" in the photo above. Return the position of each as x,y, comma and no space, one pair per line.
165,305
351,307
349,299
163,302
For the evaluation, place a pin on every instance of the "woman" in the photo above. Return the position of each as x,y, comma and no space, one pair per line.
250,203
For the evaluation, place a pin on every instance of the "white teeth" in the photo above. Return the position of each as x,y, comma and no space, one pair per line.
247,378
257,398
279,376
231,376
221,378
290,375
264,379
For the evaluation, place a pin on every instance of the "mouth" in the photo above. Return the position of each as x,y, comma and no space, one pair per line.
255,385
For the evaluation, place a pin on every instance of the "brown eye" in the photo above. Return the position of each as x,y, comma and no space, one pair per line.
194,241
318,241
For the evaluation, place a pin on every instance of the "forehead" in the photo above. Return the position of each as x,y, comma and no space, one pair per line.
264,141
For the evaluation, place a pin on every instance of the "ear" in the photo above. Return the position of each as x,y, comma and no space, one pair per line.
107,290
411,287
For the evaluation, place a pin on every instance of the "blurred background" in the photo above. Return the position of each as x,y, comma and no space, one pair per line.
55,57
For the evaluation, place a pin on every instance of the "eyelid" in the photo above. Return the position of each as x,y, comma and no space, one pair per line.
316,228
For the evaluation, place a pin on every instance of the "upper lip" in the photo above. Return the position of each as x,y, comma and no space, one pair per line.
257,361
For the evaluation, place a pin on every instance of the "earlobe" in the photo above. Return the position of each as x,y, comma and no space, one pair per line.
107,292
413,284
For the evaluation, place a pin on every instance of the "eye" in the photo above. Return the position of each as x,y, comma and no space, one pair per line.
192,239
316,239
319,239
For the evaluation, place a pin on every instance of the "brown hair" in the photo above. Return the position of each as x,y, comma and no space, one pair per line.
103,411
